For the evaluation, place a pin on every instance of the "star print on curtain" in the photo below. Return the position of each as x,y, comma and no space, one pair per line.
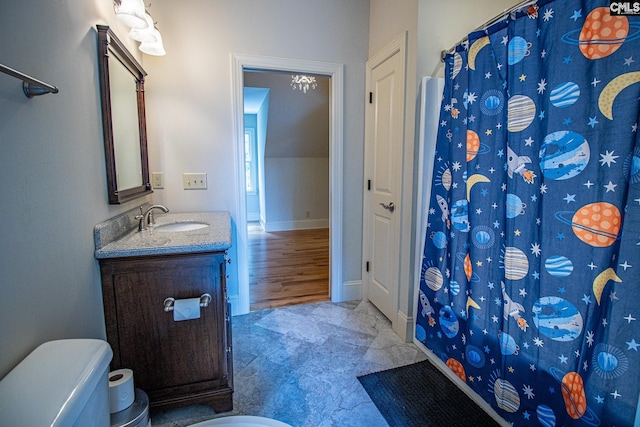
530,285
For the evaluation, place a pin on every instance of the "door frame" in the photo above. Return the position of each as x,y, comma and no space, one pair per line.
402,323
336,123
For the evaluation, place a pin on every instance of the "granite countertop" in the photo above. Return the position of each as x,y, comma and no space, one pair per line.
215,237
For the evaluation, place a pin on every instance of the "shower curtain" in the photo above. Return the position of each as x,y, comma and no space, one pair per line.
530,284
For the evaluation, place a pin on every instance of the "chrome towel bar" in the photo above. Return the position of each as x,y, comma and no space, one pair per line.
30,86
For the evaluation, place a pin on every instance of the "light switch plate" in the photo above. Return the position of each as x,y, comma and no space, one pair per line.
194,181
157,180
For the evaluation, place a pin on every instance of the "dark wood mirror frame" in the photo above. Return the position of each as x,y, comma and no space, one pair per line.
109,44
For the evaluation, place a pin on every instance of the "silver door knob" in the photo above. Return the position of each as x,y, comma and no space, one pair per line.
390,207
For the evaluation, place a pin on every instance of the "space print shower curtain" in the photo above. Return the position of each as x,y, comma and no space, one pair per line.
530,285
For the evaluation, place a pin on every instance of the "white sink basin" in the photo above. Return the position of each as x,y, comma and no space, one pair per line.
181,226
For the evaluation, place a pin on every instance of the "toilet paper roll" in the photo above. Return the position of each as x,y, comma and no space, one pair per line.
121,390
186,309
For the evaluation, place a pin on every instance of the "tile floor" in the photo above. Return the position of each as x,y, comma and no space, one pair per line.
299,364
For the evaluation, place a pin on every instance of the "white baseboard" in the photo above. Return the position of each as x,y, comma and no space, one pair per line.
253,216
403,326
304,224
351,291
234,300
438,363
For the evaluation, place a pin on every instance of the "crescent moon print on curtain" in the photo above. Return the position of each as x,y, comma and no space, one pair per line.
530,285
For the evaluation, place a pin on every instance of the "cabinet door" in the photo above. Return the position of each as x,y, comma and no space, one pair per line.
164,353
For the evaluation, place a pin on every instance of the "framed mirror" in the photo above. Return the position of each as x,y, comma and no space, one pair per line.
123,119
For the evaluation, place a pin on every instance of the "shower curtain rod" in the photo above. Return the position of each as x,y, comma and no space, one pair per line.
487,24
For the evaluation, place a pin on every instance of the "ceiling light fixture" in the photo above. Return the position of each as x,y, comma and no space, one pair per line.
303,83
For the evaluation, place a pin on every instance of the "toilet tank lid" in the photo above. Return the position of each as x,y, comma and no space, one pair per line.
53,383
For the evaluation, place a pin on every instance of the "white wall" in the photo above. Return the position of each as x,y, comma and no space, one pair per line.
295,186
189,92
52,175
444,23
298,122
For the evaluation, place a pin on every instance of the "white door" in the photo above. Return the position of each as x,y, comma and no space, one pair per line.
384,137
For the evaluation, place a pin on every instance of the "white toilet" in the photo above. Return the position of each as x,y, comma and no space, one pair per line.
61,383
65,383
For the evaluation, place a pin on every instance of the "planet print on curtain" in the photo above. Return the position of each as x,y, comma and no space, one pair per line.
529,289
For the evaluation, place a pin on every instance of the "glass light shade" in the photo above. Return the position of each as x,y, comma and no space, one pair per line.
153,48
132,14
303,83
146,35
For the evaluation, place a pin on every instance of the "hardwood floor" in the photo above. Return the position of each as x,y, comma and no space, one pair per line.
288,267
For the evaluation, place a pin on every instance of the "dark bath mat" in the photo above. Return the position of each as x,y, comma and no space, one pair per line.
420,395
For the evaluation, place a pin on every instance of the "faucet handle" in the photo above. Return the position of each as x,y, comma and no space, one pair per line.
140,219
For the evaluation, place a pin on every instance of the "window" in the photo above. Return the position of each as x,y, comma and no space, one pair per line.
250,160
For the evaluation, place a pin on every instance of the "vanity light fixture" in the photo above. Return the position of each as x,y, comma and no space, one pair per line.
145,34
153,47
303,83
130,12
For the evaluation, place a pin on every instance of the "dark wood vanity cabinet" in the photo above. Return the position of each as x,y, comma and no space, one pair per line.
176,363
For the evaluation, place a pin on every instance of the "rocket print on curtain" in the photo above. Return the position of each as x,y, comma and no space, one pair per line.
530,286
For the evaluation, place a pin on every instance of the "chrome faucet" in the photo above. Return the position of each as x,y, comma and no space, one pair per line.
146,218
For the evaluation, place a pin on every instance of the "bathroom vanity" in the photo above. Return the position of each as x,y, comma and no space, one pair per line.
144,275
